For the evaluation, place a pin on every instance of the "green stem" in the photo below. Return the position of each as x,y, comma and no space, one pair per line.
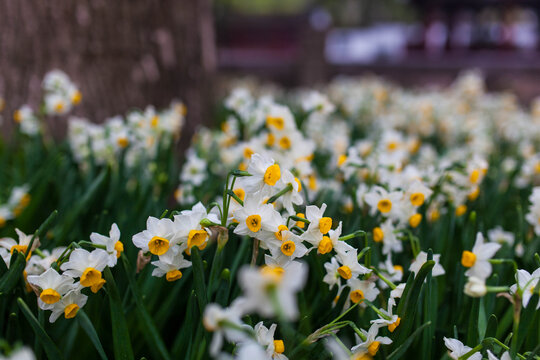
497,289
504,261
383,278
377,310
472,351
343,314
285,190
357,233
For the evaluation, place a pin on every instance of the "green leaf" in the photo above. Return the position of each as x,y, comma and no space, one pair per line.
408,310
397,353
120,333
82,204
153,337
491,329
472,331
88,327
526,321
48,345
408,286
14,274
43,228
185,333
198,278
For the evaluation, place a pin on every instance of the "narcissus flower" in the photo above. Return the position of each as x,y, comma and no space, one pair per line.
256,219
381,200
158,237
265,337
372,343
288,248
350,267
319,224
52,285
170,263
21,245
224,323
87,266
475,287
267,287
418,193
391,320
188,228
362,290
265,173
457,349
526,284
69,305
294,196
500,236
477,260
112,243
421,258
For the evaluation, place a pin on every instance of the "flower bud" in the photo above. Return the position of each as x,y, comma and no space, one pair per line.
475,287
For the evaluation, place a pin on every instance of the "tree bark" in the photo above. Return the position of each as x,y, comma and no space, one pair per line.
122,54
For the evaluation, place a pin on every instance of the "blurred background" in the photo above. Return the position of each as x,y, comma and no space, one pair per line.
126,54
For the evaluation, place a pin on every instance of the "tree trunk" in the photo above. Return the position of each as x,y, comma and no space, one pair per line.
122,54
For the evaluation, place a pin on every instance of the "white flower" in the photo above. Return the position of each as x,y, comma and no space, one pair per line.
526,284
57,104
390,240
390,319
87,266
372,343
28,122
293,196
188,229
269,287
457,349
53,285
170,263
194,169
350,267
6,256
251,350
265,173
158,237
505,356
113,245
332,275
265,337
288,248
362,290
257,219
224,323
477,260
38,265
383,201
5,214
475,287
500,236
318,223
21,244
421,258
23,353
69,305
418,193
395,272
398,291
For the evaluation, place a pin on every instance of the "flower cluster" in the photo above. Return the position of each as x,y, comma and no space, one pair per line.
138,136
60,94
17,201
59,277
